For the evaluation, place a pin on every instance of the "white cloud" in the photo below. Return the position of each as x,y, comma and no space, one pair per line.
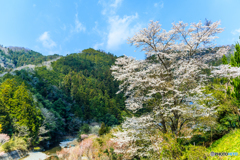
116,3
110,6
98,45
47,42
120,30
159,5
78,25
236,31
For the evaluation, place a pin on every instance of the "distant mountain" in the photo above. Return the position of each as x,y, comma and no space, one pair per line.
13,57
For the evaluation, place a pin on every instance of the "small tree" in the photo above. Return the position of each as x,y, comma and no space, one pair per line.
233,62
237,55
94,129
224,60
103,130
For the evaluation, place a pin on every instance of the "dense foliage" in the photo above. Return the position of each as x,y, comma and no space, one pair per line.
86,79
18,110
52,102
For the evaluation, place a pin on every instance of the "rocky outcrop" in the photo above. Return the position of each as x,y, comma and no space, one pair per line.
68,144
13,155
31,66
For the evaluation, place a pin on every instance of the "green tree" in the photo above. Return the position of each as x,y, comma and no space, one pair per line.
110,120
7,90
60,107
25,111
224,60
237,54
103,130
85,128
17,107
235,60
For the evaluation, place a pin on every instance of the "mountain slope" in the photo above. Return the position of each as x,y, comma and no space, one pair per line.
75,89
12,57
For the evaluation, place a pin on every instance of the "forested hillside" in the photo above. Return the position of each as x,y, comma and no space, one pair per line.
78,89
13,57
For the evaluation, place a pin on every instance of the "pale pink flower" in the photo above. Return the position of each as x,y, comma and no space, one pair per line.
83,136
4,138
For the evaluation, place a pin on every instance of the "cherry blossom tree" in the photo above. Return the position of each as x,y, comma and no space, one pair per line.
169,83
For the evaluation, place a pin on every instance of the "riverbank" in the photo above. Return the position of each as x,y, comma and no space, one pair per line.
43,153
51,151
35,156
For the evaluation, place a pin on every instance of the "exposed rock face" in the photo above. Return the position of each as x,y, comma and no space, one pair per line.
32,67
18,48
4,49
5,62
14,155
12,57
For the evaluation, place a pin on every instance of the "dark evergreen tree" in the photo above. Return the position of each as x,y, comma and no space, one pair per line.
103,129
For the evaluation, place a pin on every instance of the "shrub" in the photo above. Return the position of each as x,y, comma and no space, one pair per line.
170,147
36,148
15,143
94,129
195,152
111,154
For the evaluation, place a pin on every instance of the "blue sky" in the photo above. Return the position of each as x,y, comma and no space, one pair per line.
64,27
